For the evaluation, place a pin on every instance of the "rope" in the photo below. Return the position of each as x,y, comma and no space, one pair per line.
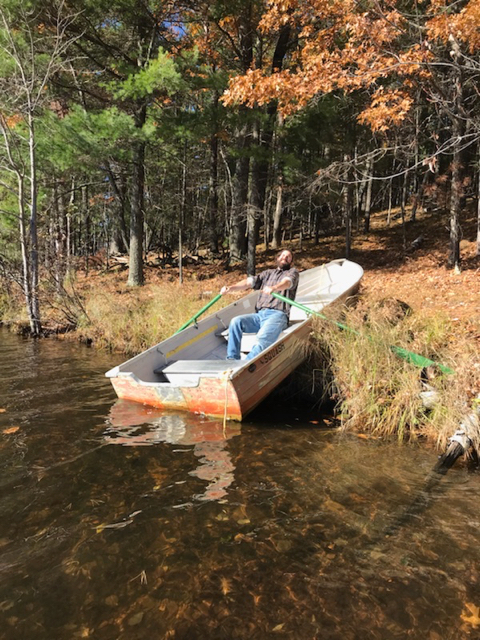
226,375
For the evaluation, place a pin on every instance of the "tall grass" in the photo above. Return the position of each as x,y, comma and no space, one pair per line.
380,393
13,311
133,320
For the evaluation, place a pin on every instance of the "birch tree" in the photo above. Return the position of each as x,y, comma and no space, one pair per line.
30,56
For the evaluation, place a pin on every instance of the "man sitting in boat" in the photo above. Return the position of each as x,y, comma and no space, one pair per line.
271,317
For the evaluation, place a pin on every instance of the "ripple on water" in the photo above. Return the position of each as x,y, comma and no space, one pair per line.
120,521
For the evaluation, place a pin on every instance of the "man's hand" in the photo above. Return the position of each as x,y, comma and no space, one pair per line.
268,289
238,286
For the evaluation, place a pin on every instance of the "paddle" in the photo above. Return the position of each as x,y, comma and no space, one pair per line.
409,356
199,313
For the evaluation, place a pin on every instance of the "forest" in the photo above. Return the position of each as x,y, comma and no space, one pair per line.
131,128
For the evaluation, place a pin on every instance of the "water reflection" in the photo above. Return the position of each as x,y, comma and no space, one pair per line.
185,532
133,425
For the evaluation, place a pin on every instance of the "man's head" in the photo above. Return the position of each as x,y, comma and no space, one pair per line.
284,259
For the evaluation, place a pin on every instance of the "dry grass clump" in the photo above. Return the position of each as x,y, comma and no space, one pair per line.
380,393
132,320
12,311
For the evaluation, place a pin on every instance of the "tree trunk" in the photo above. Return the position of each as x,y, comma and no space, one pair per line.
212,212
260,164
277,217
455,201
238,220
181,217
478,217
458,128
60,235
24,244
348,205
35,324
368,198
403,206
417,189
252,237
418,197
135,271
86,219
257,192
238,225
120,233
70,237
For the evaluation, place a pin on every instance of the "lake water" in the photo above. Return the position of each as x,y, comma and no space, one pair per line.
122,522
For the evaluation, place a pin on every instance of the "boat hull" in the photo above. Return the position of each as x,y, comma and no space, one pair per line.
233,394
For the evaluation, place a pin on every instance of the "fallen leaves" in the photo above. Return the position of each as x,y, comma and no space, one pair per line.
10,430
226,585
473,619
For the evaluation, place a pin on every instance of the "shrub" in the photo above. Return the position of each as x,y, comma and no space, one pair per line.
380,393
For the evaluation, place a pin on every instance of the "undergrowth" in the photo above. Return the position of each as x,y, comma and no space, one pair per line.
12,310
378,392
133,320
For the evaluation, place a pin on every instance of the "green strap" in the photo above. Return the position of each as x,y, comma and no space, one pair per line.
409,356
199,313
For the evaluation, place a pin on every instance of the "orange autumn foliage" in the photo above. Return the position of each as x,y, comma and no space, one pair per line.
346,45
12,121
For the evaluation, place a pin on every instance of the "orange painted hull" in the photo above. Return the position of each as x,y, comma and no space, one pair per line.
232,395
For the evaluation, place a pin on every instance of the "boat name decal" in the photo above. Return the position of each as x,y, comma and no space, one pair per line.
191,341
273,353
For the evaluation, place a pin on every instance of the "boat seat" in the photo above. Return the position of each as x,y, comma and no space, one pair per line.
200,366
248,339
187,372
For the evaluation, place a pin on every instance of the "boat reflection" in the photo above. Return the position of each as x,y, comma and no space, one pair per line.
134,425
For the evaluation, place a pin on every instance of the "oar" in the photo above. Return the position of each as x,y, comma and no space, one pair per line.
199,313
409,356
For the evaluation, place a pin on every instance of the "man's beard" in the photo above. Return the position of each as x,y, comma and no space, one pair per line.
284,266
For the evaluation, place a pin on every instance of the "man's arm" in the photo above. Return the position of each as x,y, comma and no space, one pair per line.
286,283
242,285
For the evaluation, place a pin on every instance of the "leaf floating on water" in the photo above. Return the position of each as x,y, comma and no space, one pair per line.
136,619
2,410
11,430
226,586
114,525
143,577
184,505
473,619
279,627
239,537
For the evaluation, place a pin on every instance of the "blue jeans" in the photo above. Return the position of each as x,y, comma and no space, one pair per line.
266,323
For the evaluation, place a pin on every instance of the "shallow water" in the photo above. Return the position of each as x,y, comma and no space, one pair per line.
118,521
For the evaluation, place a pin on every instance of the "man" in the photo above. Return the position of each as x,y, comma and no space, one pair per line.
271,316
